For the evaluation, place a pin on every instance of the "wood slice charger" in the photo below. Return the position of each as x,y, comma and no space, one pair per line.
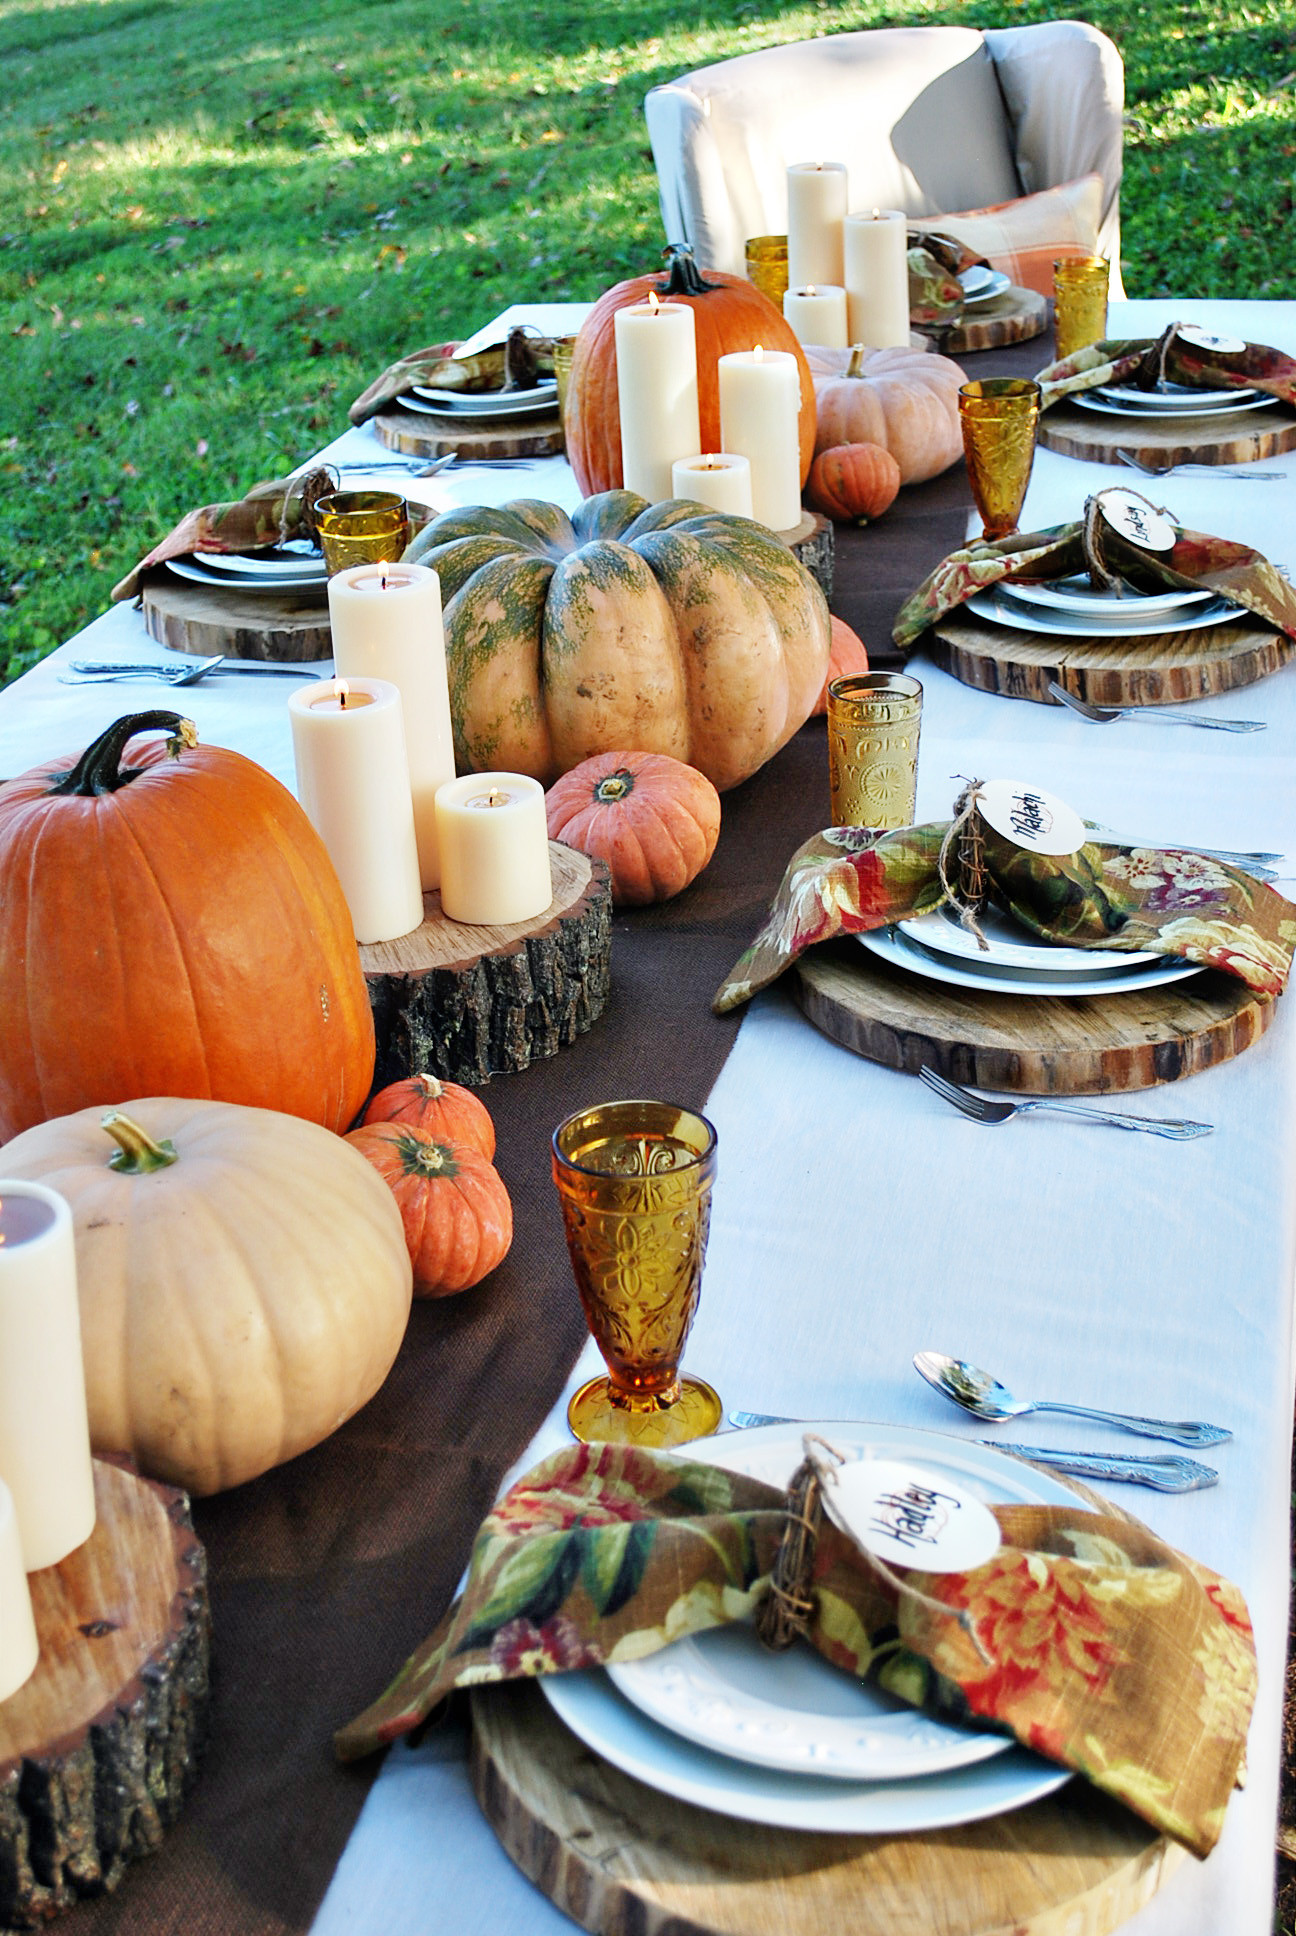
1015,317
1233,437
622,1859
434,435
1160,670
184,617
99,1747
466,1003
1040,1046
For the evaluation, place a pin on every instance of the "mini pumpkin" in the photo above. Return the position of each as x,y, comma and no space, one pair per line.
653,820
455,1210
848,656
906,400
853,483
243,1279
444,1109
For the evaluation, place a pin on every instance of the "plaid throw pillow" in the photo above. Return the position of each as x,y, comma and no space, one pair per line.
1026,237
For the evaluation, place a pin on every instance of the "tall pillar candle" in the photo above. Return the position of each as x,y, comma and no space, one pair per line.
817,202
817,314
19,1647
721,480
657,393
877,278
386,622
494,849
44,1425
353,781
760,405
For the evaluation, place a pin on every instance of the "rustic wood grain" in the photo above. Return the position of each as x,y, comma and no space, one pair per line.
1015,317
100,1746
1162,670
292,626
815,544
624,1860
418,435
466,1003
1235,437
1041,1046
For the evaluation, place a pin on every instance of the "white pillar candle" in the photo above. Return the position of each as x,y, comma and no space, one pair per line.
19,1647
386,622
817,314
877,278
657,393
722,480
353,781
760,402
44,1426
494,849
817,202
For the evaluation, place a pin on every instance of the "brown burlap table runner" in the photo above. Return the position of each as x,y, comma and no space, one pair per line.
327,1571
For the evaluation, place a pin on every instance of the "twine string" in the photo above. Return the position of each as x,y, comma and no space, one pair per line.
961,863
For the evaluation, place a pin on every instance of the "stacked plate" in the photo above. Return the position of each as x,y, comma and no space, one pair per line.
292,567
484,406
786,1739
1014,962
1169,400
1073,607
982,285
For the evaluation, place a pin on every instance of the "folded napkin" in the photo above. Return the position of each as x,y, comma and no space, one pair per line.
1083,1636
268,515
512,365
1146,362
1197,562
1114,899
935,264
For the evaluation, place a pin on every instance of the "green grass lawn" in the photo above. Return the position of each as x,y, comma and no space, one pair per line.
214,229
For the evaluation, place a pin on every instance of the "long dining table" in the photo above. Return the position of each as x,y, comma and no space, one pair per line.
856,1220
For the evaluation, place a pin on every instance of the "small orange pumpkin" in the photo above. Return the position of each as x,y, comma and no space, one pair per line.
654,820
456,1212
444,1109
853,483
848,656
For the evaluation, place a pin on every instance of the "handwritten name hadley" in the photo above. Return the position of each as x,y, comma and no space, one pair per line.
915,1517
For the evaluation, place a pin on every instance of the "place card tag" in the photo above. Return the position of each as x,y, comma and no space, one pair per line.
909,1517
1132,517
1031,818
1201,339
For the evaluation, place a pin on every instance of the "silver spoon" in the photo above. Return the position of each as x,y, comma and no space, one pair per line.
1106,715
977,1392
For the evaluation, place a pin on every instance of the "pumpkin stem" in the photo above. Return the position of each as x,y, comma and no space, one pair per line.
136,1153
683,278
99,769
421,1155
856,365
614,786
430,1086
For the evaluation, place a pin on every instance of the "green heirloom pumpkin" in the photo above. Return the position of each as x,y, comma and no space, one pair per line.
655,628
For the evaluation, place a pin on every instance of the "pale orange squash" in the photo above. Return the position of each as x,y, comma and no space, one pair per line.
906,400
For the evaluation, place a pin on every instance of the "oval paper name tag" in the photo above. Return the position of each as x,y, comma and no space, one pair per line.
909,1517
1201,339
1031,818
1134,518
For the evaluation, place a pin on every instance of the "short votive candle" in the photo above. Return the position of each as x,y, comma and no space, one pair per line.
721,480
817,314
494,841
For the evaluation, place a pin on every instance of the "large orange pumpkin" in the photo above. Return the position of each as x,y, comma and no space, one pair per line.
172,927
654,820
729,313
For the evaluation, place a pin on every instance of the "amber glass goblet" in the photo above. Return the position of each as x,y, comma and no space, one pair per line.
1080,302
361,528
634,1181
999,416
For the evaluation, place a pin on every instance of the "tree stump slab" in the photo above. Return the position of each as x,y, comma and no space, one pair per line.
417,434
291,626
1015,317
815,543
467,1003
1232,437
99,1748
1163,670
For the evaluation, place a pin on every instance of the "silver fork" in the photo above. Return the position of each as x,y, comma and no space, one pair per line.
1215,470
1106,715
982,1109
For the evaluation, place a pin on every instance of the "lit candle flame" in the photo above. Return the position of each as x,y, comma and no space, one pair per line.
809,290
342,690
653,303
877,215
758,354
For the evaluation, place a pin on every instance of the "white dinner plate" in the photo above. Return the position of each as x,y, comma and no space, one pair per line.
607,1722
982,285
251,582
1089,400
1079,595
1005,611
522,403
1011,946
900,952
1179,396
296,559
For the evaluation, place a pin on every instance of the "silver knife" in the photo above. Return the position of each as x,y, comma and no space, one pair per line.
93,666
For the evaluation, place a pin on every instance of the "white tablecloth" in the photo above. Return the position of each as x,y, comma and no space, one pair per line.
857,1220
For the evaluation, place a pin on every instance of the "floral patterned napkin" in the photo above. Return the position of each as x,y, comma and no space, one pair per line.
935,292
1084,1636
848,880
1145,362
269,514
513,365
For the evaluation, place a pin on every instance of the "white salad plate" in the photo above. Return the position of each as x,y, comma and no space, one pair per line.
295,559
302,581
1179,396
812,1793
487,403
981,285
1164,411
1005,611
1010,946
1080,596
899,951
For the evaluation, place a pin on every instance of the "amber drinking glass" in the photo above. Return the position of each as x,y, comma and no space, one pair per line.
767,266
361,528
1080,302
999,416
634,1181
873,723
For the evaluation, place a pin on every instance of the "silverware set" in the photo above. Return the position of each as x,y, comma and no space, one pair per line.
90,672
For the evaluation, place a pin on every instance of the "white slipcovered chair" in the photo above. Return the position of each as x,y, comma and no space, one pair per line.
927,119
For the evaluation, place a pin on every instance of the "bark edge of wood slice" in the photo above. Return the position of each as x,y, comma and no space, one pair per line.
814,542
623,1859
100,1747
1164,670
1016,316
418,435
468,1003
1232,437
289,626
1038,1046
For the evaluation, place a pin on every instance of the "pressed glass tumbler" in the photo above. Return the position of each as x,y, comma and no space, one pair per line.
999,417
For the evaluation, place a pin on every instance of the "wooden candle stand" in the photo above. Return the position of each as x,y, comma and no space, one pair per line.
98,1749
466,1003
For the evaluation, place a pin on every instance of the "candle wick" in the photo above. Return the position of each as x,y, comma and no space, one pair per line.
384,581
342,699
